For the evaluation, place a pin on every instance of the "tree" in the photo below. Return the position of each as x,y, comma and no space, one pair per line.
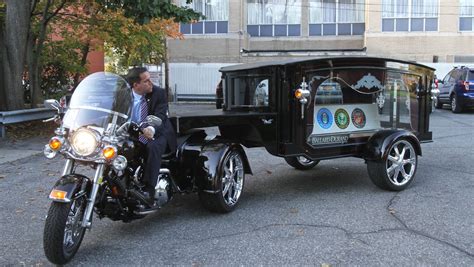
37,36
15,28
18,39
142,11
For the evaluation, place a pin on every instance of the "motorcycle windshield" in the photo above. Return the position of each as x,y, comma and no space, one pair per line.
100,99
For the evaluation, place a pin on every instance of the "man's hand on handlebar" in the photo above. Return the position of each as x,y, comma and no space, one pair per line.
149,132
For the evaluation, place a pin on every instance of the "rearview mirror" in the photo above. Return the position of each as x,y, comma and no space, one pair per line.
153,121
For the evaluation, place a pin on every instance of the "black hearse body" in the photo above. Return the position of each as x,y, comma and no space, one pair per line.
314,109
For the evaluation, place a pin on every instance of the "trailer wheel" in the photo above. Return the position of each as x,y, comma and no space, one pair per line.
230,183
301,162
397,171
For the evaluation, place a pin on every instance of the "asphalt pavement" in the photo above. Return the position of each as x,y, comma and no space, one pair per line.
330,215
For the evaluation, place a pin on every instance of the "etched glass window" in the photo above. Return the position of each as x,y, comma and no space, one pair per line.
250,91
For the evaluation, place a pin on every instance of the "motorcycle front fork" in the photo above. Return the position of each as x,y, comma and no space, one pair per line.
87,219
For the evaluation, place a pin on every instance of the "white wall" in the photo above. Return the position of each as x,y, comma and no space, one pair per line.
195,78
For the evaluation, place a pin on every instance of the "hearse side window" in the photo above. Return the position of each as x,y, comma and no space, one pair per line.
250,91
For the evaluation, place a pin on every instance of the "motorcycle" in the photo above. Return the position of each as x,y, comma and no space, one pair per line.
95,131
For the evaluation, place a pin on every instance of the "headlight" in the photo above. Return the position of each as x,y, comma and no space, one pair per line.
84,142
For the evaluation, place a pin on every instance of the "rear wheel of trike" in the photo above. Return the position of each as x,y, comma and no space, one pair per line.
301,162
398,170
63,232
230,183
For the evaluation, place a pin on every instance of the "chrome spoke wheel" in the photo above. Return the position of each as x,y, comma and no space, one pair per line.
232,182
453,103
73,229
401,163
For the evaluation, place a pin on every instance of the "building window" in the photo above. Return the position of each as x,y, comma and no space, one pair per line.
274,17
336,17
410,15
466,18
217,17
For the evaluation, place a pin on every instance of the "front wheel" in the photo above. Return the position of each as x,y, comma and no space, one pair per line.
63,232
230,183
301,162
397,171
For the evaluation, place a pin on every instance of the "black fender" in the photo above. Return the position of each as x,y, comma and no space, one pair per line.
379,143
71,184
203,157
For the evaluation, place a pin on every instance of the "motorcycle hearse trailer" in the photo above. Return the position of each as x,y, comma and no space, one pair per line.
304,111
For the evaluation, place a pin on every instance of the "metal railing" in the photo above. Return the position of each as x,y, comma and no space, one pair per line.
16,116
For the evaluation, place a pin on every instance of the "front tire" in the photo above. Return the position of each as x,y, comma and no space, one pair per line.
63,232
396,172
230,183
301,162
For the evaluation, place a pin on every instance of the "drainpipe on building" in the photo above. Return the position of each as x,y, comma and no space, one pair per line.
167,80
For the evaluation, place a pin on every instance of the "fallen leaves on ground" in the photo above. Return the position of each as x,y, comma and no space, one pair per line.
25,130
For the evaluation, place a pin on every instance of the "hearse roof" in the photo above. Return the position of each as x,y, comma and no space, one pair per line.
257,65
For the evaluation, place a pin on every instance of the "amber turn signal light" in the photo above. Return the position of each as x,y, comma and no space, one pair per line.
299,94
58,194
109,152
55,143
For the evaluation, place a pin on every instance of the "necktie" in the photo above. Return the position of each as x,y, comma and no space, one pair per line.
143,114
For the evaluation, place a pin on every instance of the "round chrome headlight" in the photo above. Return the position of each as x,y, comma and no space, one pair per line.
84,142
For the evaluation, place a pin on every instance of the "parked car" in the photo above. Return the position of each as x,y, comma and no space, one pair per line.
456,89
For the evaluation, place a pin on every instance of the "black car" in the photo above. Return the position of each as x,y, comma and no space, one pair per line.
456,89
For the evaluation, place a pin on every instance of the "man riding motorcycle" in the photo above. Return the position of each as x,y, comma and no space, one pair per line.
149,99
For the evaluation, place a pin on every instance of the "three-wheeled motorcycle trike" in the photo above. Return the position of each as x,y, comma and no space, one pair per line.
302,110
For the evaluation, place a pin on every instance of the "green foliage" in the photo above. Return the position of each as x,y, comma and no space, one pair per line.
131,33
143,11
61,61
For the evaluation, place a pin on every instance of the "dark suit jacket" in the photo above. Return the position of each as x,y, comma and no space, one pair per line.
158,105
